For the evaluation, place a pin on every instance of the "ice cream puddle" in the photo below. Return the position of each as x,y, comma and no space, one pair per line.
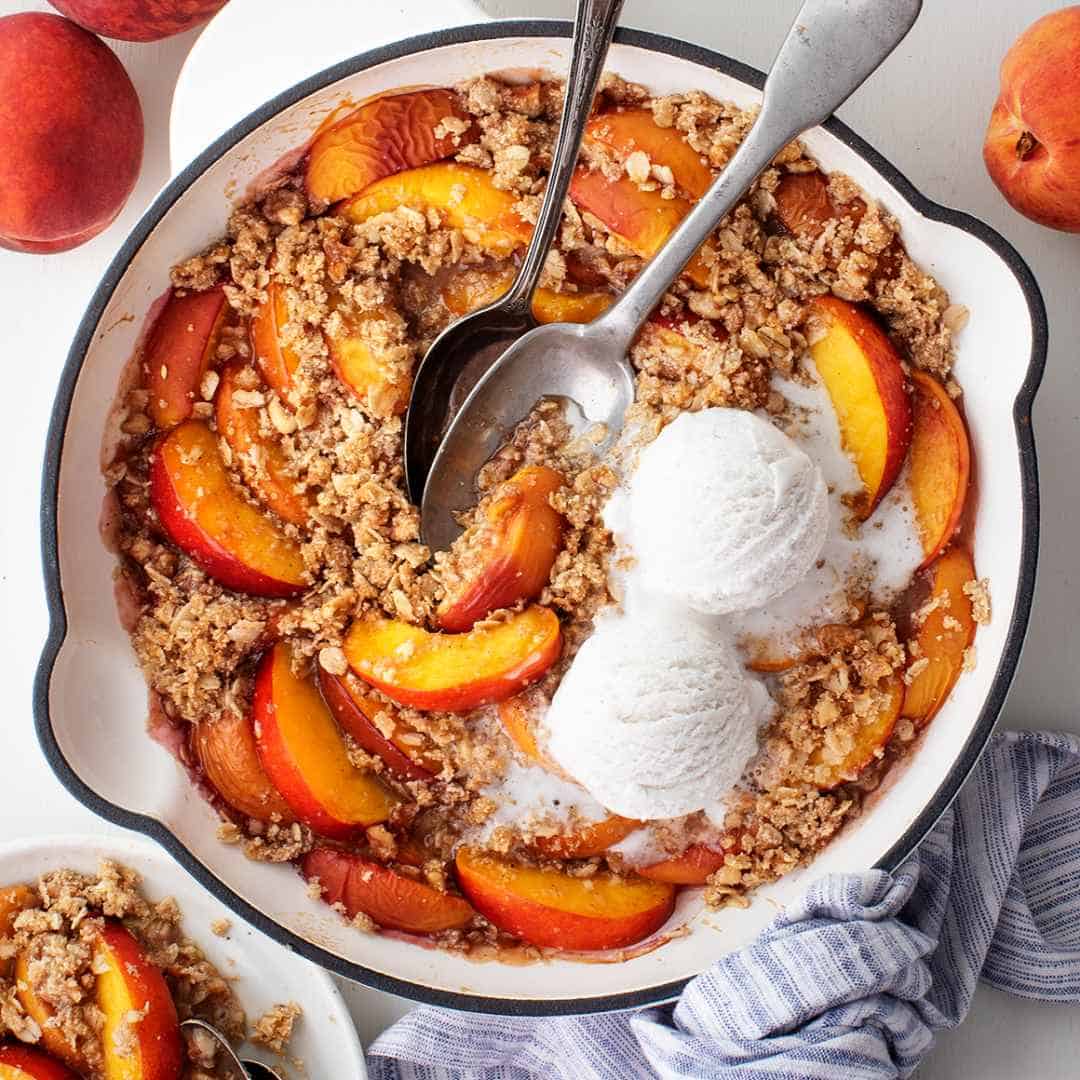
732,536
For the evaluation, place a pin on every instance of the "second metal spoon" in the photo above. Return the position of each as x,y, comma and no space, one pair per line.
831,48
243,1068
461,354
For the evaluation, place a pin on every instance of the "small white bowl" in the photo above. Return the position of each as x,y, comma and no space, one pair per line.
265,974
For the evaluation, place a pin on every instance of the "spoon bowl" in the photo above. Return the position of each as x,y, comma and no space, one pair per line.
453,365
240,1068
559,360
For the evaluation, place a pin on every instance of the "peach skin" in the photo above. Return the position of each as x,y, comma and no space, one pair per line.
943,636
128,983
550,909
865,380
940,464
225,747
71,134
803,205
627,131
259,457
178,352
205,515
643,219
521,538
393,900
357,711
1032,148
138,20
306,757
456,672
692,867
464,197
383,137
21,1062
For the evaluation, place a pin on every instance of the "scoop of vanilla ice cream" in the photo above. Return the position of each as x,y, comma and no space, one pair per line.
724,512
655,716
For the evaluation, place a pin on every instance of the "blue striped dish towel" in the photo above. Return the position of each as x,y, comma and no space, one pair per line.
850,983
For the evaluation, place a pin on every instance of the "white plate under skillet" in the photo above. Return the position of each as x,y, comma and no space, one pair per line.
324,1042
90,698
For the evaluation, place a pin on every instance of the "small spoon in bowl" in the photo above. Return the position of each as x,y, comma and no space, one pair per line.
832,47
245,1069
461,354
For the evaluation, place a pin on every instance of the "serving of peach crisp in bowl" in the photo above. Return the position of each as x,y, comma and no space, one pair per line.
654,687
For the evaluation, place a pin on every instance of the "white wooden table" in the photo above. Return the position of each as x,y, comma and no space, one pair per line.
926,110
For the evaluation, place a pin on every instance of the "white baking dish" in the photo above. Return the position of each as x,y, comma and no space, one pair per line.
90,697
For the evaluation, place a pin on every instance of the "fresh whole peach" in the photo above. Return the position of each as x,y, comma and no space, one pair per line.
138,20
71,134
1032,146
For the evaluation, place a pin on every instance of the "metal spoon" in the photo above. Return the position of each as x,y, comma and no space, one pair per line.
831,48
243,1069
461,354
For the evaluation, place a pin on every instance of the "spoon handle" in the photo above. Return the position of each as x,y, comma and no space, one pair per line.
830,50
594,26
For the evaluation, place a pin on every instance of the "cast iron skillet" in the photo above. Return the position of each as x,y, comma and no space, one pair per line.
172,191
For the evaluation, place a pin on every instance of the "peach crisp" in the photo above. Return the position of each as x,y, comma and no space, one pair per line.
399,724
95,981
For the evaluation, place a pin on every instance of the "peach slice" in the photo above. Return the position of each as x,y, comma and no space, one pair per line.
305,755
13,900
382,390
128,983
225,747
521,534
692,867
454,672
804,208
56,1041
462,195
382,137
943,637
770,657
259,457
275,361
803,205
642,219
572,307
868,744
179,349
550,909
473,289
940,464
356,713
865,380
393,900
516,714
18,1062
205,515
628,130
584,841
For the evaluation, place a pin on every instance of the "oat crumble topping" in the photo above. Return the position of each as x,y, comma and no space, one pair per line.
719,340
